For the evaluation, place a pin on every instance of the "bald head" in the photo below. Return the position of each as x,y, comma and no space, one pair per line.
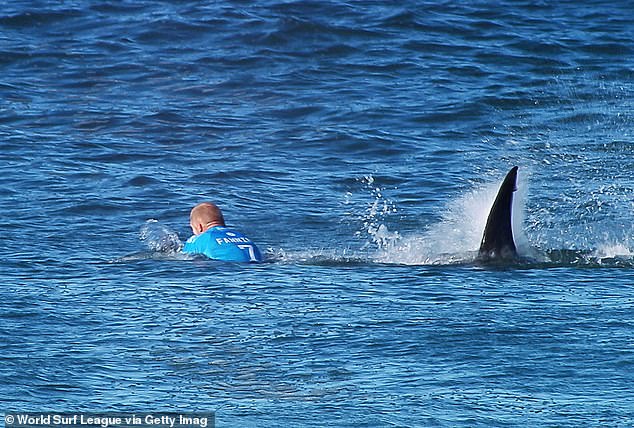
204,216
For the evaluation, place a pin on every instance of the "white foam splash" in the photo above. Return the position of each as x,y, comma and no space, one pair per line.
456,237
613,250
160,238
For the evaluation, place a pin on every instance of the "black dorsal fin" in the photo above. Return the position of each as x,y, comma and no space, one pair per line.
497,240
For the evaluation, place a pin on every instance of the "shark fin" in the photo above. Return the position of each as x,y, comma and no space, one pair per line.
497,240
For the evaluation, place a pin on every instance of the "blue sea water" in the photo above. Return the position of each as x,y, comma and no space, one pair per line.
360,145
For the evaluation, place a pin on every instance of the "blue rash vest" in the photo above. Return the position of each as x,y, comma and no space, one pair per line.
223,243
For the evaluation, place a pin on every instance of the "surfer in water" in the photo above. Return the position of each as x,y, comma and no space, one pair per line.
215,240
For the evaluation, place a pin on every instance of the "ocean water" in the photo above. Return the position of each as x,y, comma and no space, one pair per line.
360,144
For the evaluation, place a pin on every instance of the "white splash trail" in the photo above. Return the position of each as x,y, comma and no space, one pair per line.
457,236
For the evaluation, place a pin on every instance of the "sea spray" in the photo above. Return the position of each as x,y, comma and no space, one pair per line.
375,214
371,214
456,237
377,210
160,238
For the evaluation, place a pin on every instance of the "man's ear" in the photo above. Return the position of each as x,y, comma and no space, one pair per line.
199,228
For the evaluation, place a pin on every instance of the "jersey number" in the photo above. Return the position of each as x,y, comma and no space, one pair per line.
251,251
